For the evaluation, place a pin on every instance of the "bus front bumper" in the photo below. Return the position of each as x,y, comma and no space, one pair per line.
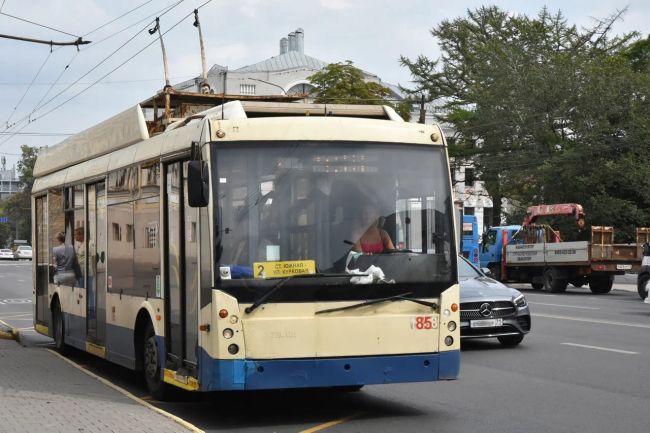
244,374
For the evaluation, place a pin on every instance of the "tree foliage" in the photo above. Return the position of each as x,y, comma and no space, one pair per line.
343,83
548,113
18,206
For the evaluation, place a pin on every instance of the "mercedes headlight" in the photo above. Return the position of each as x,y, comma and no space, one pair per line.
520,301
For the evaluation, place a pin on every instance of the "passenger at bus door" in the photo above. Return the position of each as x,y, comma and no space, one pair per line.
371,239
80,249
63,259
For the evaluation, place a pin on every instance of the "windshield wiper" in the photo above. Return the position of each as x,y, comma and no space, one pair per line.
283,280
400,297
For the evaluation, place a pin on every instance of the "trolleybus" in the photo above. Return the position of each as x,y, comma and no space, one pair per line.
218,252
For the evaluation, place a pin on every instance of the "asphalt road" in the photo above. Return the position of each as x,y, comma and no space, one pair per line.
585,367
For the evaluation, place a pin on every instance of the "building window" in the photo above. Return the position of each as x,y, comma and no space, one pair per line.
117,232
469,211
470,176
247,89
129,233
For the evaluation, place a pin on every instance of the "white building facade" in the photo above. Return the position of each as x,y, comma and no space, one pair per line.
285,74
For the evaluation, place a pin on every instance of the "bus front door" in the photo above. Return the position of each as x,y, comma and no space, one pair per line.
95,272
181,274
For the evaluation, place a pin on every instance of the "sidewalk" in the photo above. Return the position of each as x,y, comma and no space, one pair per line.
39,391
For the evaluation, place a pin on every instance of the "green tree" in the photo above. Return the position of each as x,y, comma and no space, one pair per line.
343,83
18,206
547,112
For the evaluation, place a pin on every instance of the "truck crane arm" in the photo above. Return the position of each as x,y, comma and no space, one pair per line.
533,212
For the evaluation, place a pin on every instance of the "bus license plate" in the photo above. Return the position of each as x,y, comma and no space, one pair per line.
623,267
486,323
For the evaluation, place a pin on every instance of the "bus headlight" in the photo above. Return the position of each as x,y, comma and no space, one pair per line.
451,326
228,333
449,340
233,349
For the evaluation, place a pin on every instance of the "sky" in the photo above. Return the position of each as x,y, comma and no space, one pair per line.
46,94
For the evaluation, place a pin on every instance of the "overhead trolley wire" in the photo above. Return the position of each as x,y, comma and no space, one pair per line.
160,12
115,19
27,90
38,104
108,73
28,117
39,25
120,65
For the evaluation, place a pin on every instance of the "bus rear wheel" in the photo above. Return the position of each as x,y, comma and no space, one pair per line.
58,329
151,365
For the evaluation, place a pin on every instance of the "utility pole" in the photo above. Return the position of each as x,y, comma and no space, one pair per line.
205,87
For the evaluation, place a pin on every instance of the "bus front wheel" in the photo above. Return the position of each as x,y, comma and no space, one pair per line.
151,365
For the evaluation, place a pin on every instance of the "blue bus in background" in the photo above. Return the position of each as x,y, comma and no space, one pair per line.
470,239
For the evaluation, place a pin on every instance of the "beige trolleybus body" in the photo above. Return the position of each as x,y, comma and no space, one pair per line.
261,284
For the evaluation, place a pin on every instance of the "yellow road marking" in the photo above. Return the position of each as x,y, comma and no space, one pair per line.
330,424
127,394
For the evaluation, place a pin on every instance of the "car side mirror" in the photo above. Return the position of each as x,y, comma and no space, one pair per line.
487,272
197,183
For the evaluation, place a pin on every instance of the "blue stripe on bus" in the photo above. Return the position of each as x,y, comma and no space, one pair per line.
326,372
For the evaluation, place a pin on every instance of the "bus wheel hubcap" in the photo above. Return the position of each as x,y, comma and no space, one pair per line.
151,358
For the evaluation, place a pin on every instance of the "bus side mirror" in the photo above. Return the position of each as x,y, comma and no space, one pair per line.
197,184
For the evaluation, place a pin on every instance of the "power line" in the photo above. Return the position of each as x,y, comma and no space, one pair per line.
39,25
159,12
121,16
107,74
120,65
27,90
39,105
3,5
142,80
53,84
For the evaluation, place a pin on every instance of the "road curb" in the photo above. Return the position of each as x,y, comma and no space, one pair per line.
8,332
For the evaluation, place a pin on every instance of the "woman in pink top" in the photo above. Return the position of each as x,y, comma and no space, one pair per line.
374,239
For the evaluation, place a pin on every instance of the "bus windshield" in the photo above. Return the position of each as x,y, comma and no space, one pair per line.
334,208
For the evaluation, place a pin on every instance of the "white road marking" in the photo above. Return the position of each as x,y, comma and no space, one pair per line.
31,328
21,281
602,322
565,306
627,352
15,315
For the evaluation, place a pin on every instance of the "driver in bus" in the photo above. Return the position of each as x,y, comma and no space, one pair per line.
373,239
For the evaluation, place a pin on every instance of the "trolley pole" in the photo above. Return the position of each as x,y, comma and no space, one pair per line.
205,87
165,66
